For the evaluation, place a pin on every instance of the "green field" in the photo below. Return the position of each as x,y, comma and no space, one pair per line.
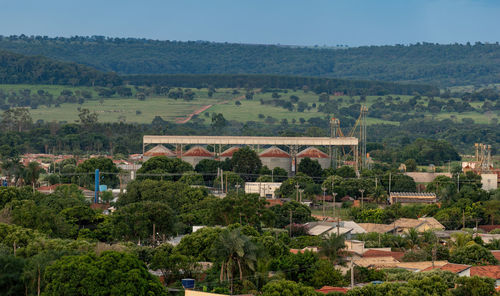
132,110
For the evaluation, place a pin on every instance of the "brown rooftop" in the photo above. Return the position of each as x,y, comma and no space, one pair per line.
159,150
451,267
274,152
312,152
197,151
229,152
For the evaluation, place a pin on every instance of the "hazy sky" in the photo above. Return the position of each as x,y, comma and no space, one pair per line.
306,22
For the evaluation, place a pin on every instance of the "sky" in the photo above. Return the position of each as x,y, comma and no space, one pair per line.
290,22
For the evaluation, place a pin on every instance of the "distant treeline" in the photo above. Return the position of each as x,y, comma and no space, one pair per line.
318,85
19,69
443,65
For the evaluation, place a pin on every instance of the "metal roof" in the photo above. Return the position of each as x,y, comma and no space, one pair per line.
274,152
233,140
312,152
197,151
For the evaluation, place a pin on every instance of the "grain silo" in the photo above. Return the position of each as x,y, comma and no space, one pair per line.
196,154
158,150
274,157
228,153
315,154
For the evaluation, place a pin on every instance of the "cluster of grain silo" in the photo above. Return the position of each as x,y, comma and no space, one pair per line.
272,157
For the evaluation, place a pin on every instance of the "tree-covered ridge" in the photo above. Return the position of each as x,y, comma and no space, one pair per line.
16,69
444,65
318,85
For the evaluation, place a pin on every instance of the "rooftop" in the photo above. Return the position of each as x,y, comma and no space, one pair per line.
490,271
451,267
197,151
312,152
274,152
378,253
159,150
379,228
329,289
229,152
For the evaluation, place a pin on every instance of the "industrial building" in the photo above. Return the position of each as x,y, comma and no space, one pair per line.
283,152
264,189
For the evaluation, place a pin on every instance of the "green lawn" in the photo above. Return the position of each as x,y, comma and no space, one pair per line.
223,101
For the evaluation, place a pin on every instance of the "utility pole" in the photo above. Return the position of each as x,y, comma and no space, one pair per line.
389,183
463,219
334,196
290,233
324,194
352,273
362,197
297,191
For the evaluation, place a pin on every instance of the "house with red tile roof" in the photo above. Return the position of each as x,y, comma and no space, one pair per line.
371,253
459,269
489,271
328,289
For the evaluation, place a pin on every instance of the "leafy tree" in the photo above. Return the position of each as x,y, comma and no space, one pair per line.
331,245
327,275
162,165
108,274
11,275
136,221
298,267
411,165
287,288
191,178
230,180
474,286
199,244
345,172
300,214
172,265
17,119
473,254
32,173
288,187
105,166
310,167
245,161
218,122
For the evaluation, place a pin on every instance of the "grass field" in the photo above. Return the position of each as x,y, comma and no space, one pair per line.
223,101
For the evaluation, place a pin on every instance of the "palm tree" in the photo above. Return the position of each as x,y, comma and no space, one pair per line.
236,252
32,173
331,245
412,238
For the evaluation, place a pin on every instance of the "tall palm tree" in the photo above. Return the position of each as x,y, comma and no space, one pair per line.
32,173
331,245
236,252
412,238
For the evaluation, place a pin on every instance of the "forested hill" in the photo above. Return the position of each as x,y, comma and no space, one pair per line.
442,65
16,69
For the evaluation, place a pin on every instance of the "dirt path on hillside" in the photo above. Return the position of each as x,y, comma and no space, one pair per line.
205,108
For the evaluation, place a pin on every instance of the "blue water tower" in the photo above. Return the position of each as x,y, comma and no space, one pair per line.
188,283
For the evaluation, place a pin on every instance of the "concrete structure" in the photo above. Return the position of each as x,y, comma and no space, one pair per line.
315,154
489,182
264,189
274,157
158,150
412,197
196,154
425,177
293,143
228,153
403,225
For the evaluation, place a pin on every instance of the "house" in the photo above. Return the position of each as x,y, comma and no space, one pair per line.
420,224
488,238
326,228
406,198
458,269
390,262
490,271
374,253
488,228
379,228
328,289
264,189
496,254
